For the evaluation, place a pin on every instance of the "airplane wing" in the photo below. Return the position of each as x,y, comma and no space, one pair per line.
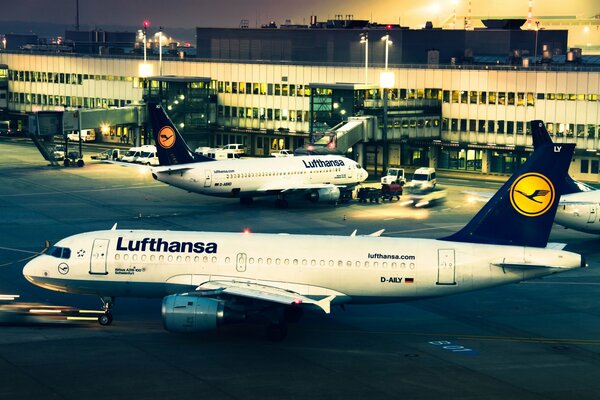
291,186
258,291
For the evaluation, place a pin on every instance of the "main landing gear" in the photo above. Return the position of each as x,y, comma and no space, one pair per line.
106,318
277,329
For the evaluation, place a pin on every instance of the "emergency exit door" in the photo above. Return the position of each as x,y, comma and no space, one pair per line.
446,267
99,257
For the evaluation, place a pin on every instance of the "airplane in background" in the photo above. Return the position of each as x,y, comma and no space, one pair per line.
319,178
209,279
579,205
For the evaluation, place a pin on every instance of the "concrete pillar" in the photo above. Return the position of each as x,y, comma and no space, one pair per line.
433,156
485,161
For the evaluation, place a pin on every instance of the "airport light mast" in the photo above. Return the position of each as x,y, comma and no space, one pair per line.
364,39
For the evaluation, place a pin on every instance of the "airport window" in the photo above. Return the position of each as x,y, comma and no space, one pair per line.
481,126
584,169
592,97
561,96
502,98
483,98
455,96
249,89
594,167
520,99
473,97
492,98
550,128
530,99
454,125
446,96
464,97
519,127
472,125
571,96
580,129
500,127
463,125
510,127
591,131
541,96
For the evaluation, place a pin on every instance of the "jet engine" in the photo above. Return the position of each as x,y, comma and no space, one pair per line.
324,195
184,313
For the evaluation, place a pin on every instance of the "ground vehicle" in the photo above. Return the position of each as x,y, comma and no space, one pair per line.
110,154
391,190
132,154
419,196
282,153
424,177
58,152
5,128
148,157
87,135
369,194
234,148
394,175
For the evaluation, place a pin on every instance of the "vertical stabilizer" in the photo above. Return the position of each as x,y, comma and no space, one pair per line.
521,213
171,149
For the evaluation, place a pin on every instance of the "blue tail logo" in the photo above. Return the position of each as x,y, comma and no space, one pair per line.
532,194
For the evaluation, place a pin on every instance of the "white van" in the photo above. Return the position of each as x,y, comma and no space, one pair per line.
424,177
235,148
87,135
132,154
148,156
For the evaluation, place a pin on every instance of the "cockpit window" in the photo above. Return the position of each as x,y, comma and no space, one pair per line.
59,252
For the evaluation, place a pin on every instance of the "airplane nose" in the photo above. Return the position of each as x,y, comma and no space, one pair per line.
29,269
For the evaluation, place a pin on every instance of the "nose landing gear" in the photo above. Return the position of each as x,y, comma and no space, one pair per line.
106,318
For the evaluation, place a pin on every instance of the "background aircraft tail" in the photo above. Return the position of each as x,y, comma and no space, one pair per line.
521,213
540,137
171,149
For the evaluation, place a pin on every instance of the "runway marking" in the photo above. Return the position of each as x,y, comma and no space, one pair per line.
523,339
82,191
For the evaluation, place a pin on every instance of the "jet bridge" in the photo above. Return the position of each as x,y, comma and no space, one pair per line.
346,134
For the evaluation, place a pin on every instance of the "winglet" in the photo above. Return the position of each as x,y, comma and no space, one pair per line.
114,227
325,304
354,233
377,233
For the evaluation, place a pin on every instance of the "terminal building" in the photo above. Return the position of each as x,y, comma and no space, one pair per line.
451,99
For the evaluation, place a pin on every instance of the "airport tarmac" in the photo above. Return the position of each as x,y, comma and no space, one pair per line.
535,340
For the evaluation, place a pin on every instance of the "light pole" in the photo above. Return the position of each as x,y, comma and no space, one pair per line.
386,81
146,25
160,69
364,39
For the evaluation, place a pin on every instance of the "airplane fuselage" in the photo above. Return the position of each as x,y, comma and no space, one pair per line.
354,269
262,177
580,211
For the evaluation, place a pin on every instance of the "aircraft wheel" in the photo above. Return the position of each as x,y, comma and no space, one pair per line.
80,163
66,162
276,332
105,319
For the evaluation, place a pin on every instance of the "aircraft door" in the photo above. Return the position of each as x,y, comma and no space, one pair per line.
99,257
446,267
350,172
592,217
240,263
207,178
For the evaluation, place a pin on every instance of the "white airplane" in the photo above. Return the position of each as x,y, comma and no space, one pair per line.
318,177
579,205
209,279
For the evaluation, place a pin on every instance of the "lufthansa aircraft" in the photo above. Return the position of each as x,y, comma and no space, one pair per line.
209,279
579,205
318,177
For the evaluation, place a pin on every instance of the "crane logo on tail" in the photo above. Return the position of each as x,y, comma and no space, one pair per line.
532,194
166,137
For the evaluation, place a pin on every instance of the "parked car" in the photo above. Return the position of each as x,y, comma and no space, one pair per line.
235,148
282,153
148,158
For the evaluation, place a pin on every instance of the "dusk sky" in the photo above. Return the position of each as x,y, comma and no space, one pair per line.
228,13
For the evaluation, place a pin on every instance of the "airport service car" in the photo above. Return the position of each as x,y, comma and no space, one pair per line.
87,135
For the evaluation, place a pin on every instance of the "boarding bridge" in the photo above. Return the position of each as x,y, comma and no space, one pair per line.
346,134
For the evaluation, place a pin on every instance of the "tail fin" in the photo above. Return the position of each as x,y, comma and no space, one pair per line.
521,213
170,146
540,137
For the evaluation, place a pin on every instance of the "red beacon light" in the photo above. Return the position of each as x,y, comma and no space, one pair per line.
388,27
247,231
146,24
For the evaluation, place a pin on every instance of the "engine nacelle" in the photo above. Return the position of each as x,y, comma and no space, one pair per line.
324,195
182,313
